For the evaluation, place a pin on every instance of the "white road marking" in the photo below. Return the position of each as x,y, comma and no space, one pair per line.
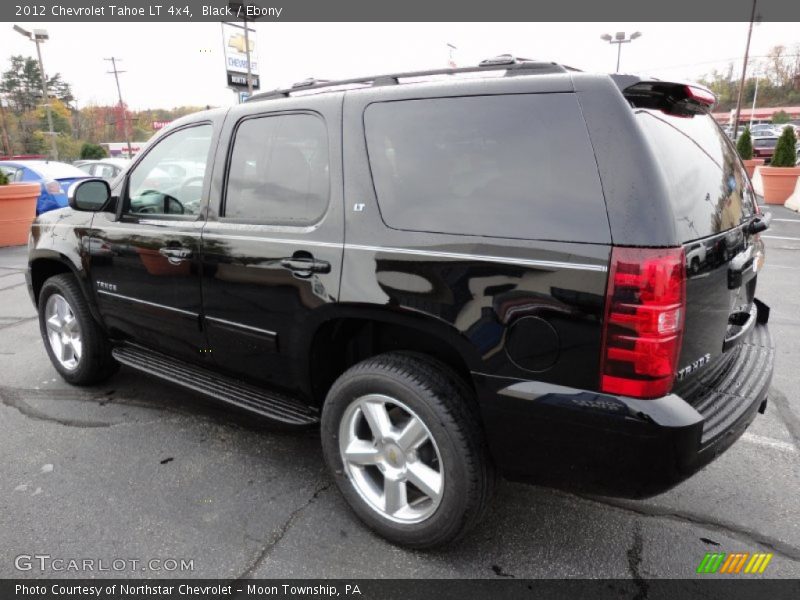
779,237
787,220
767,442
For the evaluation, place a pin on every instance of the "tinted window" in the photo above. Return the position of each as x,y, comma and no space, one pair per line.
169,179
518,166
707,185
279,170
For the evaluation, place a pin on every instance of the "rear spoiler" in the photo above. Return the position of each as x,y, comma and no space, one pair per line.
676,98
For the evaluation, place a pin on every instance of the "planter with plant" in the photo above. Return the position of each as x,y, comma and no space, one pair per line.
17,210
780,178
744,146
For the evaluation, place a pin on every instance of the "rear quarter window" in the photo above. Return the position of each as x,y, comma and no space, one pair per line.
707,185
515,166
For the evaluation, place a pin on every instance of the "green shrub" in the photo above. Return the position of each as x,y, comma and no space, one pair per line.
92,152
3,178
781,117
785,150
744,145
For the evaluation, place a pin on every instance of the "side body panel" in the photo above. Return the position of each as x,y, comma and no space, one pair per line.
516,308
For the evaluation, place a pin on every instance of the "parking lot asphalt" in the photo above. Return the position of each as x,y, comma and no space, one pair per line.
138,469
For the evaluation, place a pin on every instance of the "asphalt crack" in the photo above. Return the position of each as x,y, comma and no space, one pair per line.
18,322
15,399
279,534
635,562
11,287
733,530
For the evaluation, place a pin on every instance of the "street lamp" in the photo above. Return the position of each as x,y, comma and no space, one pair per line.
619,39
38,36
450,58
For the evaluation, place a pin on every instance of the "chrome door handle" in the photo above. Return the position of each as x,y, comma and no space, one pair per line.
306,265
175,255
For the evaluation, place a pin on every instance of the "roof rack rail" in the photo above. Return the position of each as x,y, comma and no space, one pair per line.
504,62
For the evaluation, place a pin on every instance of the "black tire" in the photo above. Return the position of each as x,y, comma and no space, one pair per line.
443,402
96,363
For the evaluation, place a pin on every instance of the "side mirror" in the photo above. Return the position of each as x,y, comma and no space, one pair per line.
759,224
89,195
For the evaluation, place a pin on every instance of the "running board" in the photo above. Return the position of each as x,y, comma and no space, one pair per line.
271,405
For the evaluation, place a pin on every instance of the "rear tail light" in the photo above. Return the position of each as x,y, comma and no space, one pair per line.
52,187
643,326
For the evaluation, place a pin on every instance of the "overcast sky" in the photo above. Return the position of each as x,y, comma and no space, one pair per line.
182,64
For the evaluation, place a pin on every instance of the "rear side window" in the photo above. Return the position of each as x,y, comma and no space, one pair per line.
279,170
707,185
516,166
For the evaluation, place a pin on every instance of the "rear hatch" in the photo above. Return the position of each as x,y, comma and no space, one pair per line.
714,212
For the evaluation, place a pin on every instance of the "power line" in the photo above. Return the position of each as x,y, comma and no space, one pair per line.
734,59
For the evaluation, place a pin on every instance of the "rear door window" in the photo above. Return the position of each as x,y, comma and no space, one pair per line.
515,166
279,173
706,182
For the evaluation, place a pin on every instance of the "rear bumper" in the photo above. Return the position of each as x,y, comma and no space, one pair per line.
599,443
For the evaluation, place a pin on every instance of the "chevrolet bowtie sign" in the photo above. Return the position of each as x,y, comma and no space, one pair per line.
236,46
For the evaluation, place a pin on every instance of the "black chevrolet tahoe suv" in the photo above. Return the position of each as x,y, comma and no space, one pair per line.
514,268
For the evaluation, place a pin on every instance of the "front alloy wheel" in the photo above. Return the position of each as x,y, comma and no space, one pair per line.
63,332
76,343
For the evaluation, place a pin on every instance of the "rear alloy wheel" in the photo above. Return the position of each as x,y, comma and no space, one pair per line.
396,469
406,449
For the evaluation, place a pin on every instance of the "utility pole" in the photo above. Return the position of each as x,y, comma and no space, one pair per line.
744,74
6,143
116,73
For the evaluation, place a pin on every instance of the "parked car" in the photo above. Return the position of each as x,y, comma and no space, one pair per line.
763,129
55,177
106,168
450,278
764,147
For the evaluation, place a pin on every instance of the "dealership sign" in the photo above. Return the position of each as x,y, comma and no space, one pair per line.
235,44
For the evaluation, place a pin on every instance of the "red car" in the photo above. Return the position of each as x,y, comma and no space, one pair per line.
764,147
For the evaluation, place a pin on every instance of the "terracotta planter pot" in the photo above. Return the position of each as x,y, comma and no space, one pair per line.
17,211
779,183
156,264
751,164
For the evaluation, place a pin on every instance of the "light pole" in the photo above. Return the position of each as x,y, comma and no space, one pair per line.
619,39
450,58
755,96
38,36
